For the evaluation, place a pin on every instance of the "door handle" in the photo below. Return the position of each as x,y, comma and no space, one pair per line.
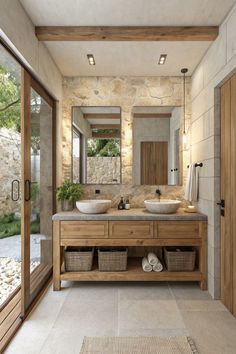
27,190
17,182
222,207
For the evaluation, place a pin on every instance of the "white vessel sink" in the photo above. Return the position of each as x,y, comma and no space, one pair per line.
164,206
97,206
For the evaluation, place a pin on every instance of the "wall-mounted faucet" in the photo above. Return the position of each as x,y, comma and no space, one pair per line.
158,192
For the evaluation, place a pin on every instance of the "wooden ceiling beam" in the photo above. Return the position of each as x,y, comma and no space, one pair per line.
102,115
152,115
105,126
126,33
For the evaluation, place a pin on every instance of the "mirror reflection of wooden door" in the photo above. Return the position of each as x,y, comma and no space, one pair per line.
228,194
154,162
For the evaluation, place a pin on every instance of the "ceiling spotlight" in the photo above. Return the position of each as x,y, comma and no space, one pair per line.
162,59
91,59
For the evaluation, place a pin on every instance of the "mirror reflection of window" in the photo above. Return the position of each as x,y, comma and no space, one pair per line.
103,155
100,145
76,151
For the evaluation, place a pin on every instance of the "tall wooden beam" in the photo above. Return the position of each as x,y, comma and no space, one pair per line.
126,33
152,115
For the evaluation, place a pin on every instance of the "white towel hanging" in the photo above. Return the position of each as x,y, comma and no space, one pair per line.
192,184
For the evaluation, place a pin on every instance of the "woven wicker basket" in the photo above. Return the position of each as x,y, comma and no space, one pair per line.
112,260
180,259
78,259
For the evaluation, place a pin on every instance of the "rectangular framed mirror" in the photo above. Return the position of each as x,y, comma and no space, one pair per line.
96,145
157,155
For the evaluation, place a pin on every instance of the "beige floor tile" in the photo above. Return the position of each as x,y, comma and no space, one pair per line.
189,291
94,291
147,291
214,332
96,317
34,332
149,314
61,320
171,332
200,305
63,342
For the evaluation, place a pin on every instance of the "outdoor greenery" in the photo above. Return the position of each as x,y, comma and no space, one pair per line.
103,147
69,191
9,100
10,111
10,225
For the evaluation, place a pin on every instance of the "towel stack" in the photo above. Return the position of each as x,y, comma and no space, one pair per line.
151,263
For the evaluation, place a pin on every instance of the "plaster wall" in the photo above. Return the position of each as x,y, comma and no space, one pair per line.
218,64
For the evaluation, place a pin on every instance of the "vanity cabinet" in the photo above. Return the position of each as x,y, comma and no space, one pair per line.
131,229
113,232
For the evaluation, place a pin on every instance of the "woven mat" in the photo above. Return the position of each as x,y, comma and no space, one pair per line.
138,345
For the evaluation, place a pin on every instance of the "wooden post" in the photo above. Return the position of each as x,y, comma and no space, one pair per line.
56,256
203,255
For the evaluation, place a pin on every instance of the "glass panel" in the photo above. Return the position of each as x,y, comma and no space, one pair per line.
41,189
10,175
76,156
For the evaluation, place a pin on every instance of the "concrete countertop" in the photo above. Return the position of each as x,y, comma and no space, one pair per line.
132,214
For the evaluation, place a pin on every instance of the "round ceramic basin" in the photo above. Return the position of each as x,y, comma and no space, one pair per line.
164,206
98,206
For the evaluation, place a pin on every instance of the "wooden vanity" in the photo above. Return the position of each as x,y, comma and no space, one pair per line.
135,227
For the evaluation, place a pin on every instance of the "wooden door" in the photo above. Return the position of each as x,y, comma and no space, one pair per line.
154,162
228,194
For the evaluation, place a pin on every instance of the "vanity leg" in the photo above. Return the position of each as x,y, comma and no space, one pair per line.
56,256
203,255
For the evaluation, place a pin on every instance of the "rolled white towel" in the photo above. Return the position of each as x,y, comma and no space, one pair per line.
146,265
158,267
152,258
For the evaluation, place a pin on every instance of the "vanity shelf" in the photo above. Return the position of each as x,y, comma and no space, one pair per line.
133,273
135,228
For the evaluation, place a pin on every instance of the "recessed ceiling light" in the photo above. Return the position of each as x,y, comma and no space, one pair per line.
91,59
162,59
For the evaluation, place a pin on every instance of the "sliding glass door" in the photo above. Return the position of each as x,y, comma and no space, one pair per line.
37,115
10,177
41,159
26,191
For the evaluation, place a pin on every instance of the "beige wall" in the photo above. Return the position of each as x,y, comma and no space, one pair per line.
17,28
125,92
218,64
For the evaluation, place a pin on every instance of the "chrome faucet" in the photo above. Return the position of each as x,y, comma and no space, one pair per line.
158,192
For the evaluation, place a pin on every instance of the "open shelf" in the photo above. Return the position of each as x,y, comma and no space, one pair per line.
133,273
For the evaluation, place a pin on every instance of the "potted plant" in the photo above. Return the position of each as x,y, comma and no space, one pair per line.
68,193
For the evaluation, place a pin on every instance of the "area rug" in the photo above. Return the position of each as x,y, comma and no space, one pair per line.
138,345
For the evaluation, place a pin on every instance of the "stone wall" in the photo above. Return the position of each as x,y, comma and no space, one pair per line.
103,170
216,66
10,169
125,92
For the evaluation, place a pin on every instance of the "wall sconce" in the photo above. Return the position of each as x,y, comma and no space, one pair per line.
185,135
